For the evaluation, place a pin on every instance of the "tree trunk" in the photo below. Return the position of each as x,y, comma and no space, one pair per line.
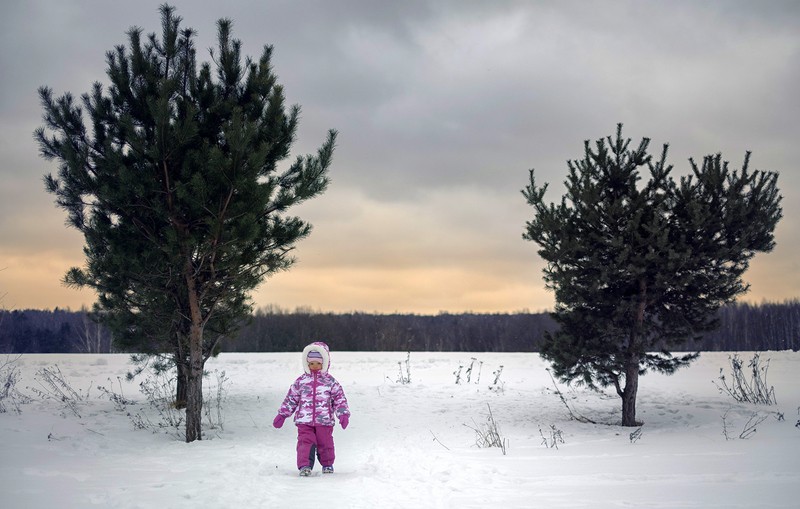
194,389
632,361
629,393
182,384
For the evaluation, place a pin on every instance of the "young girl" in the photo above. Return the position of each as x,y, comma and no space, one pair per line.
315,396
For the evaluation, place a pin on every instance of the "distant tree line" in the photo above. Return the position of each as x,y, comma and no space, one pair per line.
276,330
57,331
743,327
749,327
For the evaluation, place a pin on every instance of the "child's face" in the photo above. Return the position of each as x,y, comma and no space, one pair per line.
315,366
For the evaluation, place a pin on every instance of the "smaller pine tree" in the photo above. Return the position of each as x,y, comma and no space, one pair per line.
639,265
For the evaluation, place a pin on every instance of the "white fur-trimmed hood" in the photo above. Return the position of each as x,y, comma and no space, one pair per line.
320,347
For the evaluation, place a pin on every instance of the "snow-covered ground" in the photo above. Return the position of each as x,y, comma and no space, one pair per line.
408,445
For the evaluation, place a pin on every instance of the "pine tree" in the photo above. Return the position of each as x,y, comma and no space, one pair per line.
176,186
639,266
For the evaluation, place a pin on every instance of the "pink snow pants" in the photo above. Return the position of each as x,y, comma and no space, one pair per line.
321,437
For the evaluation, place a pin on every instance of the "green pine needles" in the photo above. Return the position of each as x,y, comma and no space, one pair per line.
173,174
640,262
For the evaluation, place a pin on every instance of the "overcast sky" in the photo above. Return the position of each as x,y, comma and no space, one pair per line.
442,107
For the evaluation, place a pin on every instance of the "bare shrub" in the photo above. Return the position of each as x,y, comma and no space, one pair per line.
159,391
474,363
744,390
468,373
748,429
497,385
54,386
119,399
488,434
404,377
553,437
10,397
457,373
212,405
436,439
158,387
573,415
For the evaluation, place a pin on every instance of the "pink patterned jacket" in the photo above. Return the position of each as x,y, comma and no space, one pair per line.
315,397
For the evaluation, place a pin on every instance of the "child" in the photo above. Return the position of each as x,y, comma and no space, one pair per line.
315,396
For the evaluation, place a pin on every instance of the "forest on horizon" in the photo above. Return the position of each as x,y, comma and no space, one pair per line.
743,327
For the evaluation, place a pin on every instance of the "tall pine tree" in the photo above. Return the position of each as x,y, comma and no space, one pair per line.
176,186
639,266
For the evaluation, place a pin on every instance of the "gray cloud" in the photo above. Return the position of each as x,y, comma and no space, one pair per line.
437,99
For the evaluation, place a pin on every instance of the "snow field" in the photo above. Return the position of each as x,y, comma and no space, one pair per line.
408,445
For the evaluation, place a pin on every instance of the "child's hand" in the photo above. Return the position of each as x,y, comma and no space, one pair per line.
344,420
278,422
